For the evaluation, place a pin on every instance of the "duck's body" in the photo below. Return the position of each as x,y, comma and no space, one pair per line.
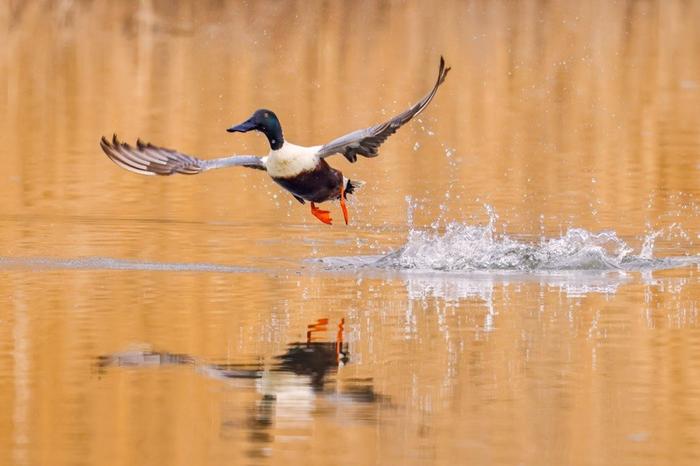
300,170
308,177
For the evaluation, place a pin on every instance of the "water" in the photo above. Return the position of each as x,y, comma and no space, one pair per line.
518,284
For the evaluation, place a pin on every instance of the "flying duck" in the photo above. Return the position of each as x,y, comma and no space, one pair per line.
303,171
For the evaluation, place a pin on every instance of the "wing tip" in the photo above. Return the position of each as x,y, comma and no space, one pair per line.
147,159
442,72
114,151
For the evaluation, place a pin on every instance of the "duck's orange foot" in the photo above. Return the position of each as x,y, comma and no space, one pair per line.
342,204
322,215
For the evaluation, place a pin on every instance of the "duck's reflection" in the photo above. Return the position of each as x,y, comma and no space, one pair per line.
314,358
298,385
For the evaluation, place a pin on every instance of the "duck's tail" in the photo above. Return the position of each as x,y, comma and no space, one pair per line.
351,186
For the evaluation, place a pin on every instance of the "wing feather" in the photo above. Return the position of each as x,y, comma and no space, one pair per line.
147,159
366,141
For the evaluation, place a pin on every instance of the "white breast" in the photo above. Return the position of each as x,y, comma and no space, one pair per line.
290,160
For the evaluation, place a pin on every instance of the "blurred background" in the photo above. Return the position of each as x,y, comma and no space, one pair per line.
587,110
556,115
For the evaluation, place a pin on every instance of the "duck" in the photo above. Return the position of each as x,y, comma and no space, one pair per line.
301,170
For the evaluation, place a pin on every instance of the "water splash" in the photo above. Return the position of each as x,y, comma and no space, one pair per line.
460,247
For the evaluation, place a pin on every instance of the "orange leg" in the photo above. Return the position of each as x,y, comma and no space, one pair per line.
339,340
342,203
321,325
322,215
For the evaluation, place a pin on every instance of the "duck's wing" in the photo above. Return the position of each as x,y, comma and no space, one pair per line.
147,159
366,141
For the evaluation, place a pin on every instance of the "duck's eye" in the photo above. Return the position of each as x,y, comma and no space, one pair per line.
266,115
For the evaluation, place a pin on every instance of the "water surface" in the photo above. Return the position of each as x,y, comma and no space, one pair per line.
518,284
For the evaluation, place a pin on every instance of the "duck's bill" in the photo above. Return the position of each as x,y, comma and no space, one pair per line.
242,128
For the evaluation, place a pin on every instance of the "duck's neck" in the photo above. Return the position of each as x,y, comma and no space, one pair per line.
274,137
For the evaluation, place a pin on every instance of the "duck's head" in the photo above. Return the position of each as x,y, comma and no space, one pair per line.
266,122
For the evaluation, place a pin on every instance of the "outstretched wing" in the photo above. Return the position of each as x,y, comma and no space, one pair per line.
366,141
147,159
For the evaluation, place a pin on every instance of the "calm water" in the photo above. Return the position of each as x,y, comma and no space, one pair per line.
518,284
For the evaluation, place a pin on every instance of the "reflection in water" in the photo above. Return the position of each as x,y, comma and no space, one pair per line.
456,287
289,388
